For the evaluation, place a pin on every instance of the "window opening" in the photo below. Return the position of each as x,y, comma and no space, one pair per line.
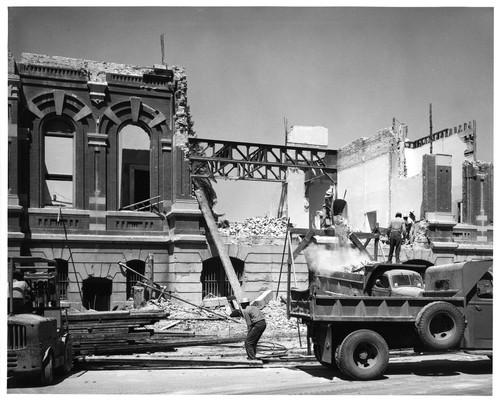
59,163
132,278
97,293
134,169
62,278
214,279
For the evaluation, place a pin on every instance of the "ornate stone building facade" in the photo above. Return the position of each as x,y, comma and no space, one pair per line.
98,175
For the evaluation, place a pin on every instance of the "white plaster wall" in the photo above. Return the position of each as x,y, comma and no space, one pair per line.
406,195
297,206
367,186
316,135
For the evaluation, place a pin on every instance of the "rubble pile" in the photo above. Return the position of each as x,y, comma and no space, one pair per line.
420,238
256,226
203,323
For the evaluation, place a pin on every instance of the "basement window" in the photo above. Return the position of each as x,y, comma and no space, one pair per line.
214,279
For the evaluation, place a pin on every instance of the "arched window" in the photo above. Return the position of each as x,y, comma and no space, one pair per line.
214,279
133,166
58,187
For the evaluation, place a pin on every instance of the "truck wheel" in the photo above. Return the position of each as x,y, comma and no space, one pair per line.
47,374
440,326
317,354
363,355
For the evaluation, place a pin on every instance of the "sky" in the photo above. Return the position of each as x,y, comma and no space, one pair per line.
349,69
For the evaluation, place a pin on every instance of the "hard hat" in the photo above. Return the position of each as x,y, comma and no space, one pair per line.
329,192
412,211
244,300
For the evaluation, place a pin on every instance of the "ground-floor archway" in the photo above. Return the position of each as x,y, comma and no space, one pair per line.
96,293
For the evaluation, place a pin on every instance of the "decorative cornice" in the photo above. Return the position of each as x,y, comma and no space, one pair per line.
66,73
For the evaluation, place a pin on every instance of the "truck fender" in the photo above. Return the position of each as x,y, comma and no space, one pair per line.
440,326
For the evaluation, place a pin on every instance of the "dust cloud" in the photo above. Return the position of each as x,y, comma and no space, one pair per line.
322,260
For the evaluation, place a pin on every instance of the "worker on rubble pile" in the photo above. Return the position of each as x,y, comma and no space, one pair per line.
256,325
407,234
326,212
395,231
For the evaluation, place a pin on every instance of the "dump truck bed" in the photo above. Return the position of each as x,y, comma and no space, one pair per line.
332,308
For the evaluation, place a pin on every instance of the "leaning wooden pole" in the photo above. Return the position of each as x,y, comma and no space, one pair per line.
221,248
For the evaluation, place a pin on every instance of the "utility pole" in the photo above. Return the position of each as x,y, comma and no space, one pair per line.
430,122
162,44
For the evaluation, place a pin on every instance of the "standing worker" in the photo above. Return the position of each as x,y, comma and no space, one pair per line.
21,293
327,210
256,324
408,224
395,231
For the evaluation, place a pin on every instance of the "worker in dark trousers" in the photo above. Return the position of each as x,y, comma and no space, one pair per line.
395,231
256,324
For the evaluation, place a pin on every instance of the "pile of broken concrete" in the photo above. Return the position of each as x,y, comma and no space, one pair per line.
256,226
222,323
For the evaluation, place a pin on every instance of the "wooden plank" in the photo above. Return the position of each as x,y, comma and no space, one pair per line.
303,244
98,315
360,247
221,248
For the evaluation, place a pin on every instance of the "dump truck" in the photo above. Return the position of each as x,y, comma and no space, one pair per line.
38,341
354,333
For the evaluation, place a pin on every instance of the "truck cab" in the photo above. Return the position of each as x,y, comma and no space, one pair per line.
398,282
38,341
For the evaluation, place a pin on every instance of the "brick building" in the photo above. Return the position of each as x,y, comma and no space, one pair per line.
98,175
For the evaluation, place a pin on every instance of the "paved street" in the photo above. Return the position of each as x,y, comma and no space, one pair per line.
447,374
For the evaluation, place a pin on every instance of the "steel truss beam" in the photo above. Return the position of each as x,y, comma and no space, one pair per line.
261,162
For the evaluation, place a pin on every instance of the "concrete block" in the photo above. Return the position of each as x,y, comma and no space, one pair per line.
263,299
215,302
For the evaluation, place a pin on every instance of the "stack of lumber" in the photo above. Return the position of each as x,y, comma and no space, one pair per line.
111,331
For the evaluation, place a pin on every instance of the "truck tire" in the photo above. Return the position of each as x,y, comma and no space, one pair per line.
47,374
363,355
440,326
317,354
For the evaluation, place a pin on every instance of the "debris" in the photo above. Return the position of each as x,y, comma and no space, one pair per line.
256,226
215,301
170,325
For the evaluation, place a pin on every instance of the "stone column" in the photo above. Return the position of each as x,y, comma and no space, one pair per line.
97,201
14,208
